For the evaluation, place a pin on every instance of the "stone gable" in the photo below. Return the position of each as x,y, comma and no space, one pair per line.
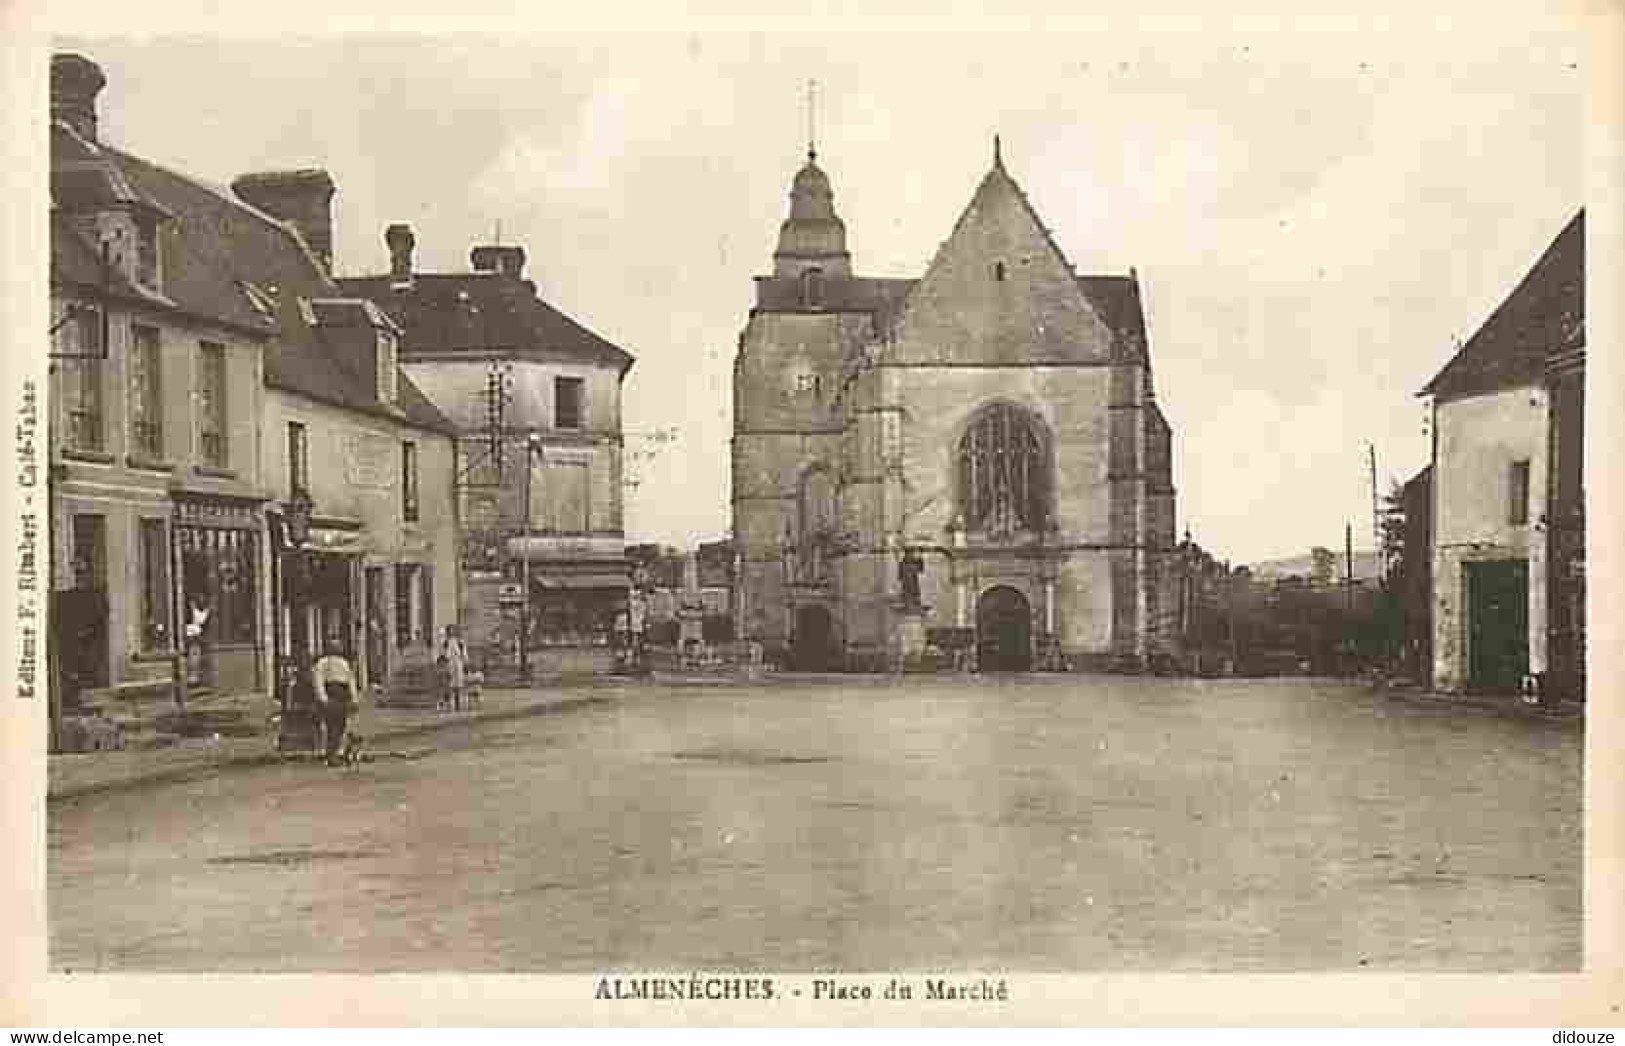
999,292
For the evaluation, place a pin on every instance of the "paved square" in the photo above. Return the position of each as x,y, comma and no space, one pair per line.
1039,823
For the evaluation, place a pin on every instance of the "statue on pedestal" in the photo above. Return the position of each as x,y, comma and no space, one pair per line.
908,577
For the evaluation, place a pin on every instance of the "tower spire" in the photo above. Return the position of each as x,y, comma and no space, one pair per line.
998,159
812,120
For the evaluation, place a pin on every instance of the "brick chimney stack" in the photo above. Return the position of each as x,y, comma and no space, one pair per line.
303,199
400,240
75,83
509,261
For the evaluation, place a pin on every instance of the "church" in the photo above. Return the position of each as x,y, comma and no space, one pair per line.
969,465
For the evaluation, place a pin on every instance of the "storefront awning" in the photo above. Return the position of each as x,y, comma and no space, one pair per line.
580,581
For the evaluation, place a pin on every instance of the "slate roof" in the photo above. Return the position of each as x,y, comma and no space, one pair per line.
1542,317
1116,299
226,262
482,311
881,296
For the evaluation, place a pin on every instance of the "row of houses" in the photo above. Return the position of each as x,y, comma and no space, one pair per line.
1495,524
429,436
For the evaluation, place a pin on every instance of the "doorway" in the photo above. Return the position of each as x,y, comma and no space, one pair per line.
813,645
375,615
1497,624
1004,626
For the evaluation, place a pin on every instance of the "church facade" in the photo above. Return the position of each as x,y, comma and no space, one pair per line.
975,457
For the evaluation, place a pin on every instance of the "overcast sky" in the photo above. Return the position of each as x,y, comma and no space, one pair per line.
1314,218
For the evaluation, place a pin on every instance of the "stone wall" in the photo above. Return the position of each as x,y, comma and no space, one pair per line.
1478,439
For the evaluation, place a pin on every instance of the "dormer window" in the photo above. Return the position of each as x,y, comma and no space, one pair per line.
146,251
386,353
812,289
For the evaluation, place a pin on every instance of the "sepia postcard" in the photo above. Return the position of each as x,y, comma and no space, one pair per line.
1089,518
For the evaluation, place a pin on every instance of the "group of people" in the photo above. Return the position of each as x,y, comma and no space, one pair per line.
339,702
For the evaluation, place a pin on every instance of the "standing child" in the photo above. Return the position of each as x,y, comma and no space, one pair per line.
455,655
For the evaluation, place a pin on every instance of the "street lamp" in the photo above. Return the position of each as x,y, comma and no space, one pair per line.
298,727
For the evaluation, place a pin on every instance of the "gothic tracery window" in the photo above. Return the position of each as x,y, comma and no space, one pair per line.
1002,473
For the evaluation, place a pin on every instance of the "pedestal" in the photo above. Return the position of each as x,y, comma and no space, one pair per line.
690,632
908,634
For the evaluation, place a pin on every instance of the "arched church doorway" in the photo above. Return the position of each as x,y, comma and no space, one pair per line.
813,644
1004,631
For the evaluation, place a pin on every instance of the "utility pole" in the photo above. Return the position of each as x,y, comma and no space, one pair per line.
1348,564
1376,513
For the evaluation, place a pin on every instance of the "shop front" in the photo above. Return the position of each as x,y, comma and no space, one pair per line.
218,579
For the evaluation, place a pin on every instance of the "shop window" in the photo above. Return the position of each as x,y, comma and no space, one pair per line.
426,603
153,550
406,583
218,571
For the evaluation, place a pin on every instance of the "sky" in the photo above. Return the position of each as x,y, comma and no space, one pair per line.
1316,219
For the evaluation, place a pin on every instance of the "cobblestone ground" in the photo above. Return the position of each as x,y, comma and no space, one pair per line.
1045,824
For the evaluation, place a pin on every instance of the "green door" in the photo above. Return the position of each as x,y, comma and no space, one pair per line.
1497,624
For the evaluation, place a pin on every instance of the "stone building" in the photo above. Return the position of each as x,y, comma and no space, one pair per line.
541,494
206,331
987,432
1508,526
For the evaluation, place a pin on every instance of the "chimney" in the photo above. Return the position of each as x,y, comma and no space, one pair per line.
75,83
303,199
509,261
400,240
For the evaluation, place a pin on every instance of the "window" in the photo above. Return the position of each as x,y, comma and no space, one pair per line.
153,549
218,568
426,602
1518,484
406,579
146,252
211,391
998,271
567,403
1002,473
146,395
298,458
385,352
82,383
88,552
807,384
812,289
409,482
